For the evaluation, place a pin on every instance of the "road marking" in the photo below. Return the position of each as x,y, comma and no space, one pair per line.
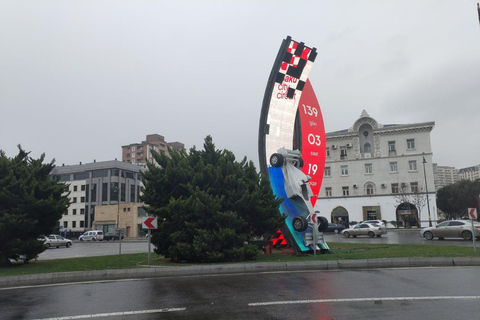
257,304
114,314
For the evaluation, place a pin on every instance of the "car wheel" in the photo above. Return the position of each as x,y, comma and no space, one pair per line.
336,231
276,160
81,239
371,234
346,234
47,245
323,223
467,235
68,245
299,224
428,235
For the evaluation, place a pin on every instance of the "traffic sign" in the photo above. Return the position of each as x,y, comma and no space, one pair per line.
472,213
149,223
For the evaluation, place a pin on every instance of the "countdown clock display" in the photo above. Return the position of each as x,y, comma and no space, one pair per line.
291,118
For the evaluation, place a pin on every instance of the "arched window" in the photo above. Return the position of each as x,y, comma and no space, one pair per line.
370,189
367,148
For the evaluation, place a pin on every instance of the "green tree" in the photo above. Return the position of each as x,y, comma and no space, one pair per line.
31,203
455,199
208,205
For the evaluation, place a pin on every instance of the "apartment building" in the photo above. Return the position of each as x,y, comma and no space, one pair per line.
444,175
469,173
139,153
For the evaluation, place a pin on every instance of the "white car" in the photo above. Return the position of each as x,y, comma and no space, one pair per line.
91,235
54,240
379,222
363,229
452,229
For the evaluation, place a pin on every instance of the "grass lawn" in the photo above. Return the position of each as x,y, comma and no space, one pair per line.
338,251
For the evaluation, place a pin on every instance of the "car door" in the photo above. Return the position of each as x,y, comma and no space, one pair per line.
53,240
61,241
441,230
455,229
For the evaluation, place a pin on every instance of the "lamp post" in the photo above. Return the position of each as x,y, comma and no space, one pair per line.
426,190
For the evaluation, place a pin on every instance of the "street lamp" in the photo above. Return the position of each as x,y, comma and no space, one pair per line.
426,190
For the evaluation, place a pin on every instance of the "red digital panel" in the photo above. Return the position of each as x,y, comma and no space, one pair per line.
313,139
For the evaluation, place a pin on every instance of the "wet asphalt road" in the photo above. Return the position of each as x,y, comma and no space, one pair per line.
416,293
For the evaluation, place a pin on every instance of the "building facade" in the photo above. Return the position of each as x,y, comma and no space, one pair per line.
444,175
470,173
139,153
126,216
97,184
376,171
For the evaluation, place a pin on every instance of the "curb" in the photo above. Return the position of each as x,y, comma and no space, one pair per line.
159,272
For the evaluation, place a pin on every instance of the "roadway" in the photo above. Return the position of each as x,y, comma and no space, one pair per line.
407,293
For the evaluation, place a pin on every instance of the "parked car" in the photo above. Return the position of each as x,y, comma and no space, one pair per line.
334,227
112,236
92,235
55,240
379,222
452,229
363,229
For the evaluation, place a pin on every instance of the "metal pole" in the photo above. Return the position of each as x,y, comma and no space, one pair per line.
426,190
149,242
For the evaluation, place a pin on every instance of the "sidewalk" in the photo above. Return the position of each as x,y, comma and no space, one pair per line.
159,272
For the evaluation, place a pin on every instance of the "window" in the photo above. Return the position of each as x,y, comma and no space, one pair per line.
393,167
105,191
94,193
74,199
410,144
124,209
412,165
414,187
114,173
345,191
368,168
74,224
344,170
82,224
328,151
328,191
81,176
99,173
133,148
367,148
74,188
82,199
65,213
82,211
141,212
128,155
369,189
343,153
132,193
328,172
74,211
122,193
65,224
82,187
391,148
394,187
114,192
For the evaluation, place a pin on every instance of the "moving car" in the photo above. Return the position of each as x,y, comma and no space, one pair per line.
55,240
452,229
334,227
91,235
363,229
112,236
379,222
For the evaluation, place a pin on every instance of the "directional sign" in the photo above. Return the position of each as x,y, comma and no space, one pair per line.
472,213
149,223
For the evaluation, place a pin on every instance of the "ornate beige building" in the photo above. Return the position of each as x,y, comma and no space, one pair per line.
376,171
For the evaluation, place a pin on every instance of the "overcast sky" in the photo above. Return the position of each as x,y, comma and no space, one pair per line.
79,79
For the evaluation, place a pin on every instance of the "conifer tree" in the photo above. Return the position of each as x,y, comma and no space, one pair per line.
208,205
31,204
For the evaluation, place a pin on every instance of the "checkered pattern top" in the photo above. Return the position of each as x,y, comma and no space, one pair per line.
294,61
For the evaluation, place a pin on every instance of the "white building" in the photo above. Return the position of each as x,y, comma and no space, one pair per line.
376,171
97,184
444,176
470,173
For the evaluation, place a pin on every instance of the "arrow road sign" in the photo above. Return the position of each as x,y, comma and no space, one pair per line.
472,213
149,223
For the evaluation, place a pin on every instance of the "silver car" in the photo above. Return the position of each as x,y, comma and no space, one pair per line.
379,222
452,229
54,240
363,229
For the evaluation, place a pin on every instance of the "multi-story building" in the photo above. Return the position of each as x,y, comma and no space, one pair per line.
376,171
444,175
137,153
470,173
96,184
